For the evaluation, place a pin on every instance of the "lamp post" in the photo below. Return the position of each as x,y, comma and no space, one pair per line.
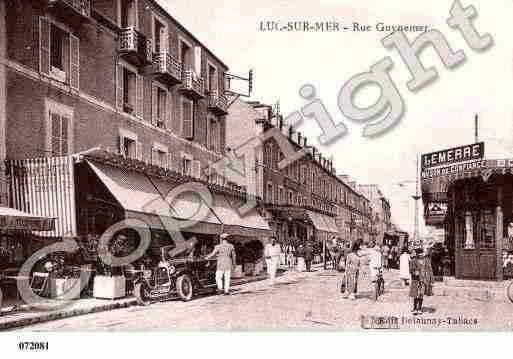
416,198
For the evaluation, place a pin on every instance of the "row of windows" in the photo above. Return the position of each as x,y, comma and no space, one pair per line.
59,59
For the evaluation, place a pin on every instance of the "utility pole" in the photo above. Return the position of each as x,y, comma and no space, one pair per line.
476,120
416,197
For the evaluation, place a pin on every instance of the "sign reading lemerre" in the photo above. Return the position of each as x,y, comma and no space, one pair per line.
462,153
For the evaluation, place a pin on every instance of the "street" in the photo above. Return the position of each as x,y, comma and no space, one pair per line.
299,301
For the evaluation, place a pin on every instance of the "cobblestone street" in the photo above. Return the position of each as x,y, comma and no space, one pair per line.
299,301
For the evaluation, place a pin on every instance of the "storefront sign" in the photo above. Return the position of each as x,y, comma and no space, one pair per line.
435,213
21,223
452,169
457,154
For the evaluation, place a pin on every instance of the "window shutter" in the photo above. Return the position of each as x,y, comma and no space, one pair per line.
44,46
121,140
119,91
139,94
197,60
74,61
139,151
196,168
187,118
154,107
169,110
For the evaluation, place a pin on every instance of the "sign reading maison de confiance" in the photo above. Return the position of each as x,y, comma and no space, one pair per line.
457,154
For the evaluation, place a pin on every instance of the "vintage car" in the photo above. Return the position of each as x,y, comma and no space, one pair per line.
184,276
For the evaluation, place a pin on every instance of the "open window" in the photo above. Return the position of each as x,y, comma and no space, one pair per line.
186,55
128,13
58,53
212,79
130,91
159,35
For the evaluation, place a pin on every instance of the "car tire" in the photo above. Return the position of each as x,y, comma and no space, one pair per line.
141,293
184,287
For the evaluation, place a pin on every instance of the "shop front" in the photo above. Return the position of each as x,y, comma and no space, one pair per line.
110,190
479,220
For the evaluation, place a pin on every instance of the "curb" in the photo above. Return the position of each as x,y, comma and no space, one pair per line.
65,314
47,317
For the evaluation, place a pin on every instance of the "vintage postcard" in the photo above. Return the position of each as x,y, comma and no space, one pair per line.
172,165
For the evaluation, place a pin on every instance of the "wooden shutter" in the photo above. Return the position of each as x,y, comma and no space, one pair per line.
154,107
196,168
187,120
44,45
121,146
74,62
169,110
139,96
119,88
139,151
197,60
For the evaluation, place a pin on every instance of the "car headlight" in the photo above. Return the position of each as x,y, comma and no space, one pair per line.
147,273
171,269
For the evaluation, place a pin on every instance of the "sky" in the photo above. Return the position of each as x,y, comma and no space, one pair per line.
438,116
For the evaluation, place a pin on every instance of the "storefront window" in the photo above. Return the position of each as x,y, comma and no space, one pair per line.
469,231
488,230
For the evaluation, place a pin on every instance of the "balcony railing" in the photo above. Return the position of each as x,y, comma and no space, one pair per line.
193,85
72,10
217,103
134,46
168,67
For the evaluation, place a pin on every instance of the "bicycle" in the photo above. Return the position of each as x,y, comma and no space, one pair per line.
379,285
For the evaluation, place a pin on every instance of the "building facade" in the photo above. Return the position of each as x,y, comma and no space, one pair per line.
129,99
381,213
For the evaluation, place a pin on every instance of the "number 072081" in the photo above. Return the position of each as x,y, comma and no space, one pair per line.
29,346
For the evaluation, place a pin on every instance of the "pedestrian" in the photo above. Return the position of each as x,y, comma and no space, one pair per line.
353,263
225,261
386,252
309,255
300,254
291,257
404,267
421,280
375,261
272,253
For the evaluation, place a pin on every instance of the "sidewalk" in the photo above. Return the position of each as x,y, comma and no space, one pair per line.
24,315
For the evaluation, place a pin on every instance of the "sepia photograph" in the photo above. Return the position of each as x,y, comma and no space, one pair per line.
173,166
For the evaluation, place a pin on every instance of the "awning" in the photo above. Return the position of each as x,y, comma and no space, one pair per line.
143,198
322,222
13,219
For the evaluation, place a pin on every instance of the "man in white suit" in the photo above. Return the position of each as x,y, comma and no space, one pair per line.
272,254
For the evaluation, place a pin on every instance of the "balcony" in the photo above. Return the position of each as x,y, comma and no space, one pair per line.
71,11
217,103
134,47
193,85
167,68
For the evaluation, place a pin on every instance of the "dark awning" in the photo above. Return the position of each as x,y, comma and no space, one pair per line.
147,199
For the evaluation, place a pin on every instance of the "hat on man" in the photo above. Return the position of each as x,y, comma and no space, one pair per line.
224,236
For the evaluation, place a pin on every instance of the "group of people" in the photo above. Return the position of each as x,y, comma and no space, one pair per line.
414,269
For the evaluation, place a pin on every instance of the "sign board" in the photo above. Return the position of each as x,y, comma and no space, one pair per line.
435,213
456,154
452,169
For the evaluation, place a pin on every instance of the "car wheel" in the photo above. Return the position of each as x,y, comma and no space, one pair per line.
184,287
142,293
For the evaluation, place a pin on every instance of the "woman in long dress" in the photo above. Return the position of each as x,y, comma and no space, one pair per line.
404,267
353,263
